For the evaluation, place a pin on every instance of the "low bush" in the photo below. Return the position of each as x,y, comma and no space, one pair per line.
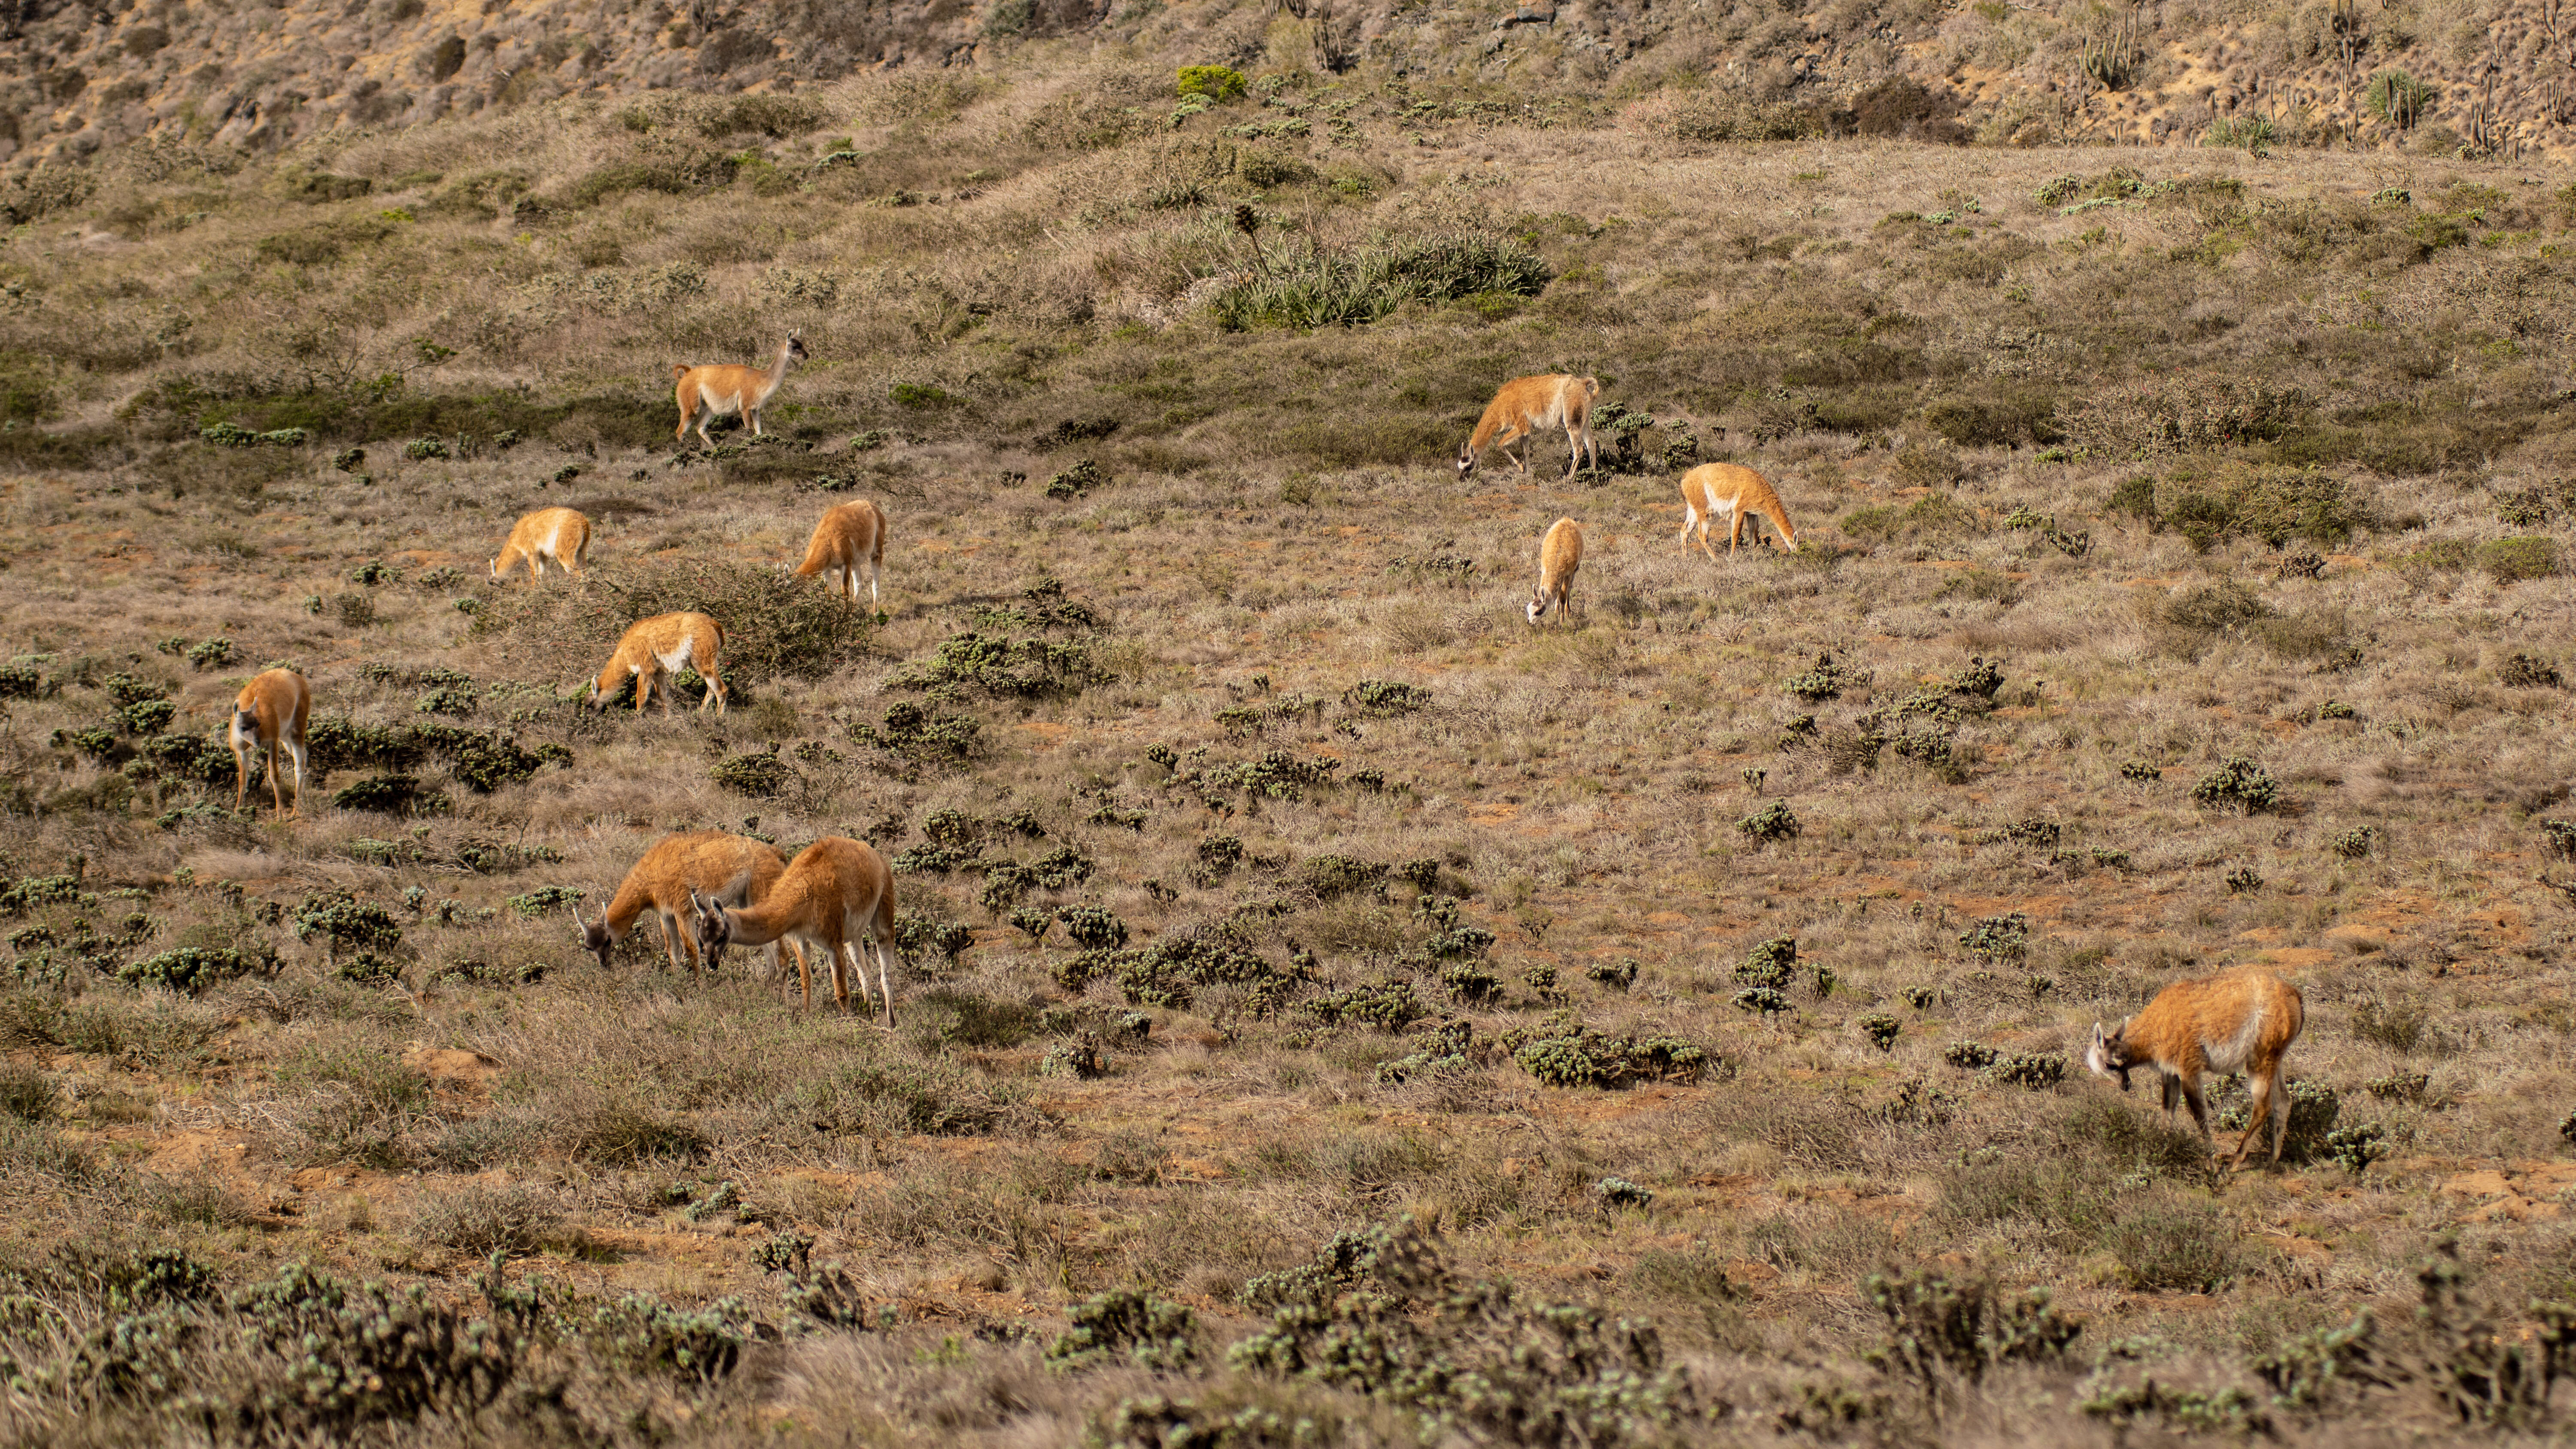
1301,283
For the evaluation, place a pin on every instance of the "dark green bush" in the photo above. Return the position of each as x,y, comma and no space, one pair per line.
388,794
346,922
2239,784
1588,1058
761,774
1943,1328
191,969
1126,1326
1301,284
1775,821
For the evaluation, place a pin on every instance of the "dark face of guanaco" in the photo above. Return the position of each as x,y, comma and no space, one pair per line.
1466,463
715,931
795,348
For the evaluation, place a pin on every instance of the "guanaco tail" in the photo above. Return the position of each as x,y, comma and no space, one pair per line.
733,870
835,895
1527,406
1559,555
722,388
1726,493
847,536
558,536
2244,1020
269,716
662,643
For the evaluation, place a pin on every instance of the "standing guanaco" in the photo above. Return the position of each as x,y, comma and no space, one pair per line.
558,536
1530,405
2244,1020
268,716
836,894
847,536
664,642
734,870
721,388
1730,494
1559,555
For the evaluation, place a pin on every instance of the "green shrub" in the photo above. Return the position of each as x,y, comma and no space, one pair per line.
1997,938
346,922
191,969
2238,784
1126,1326
2031,1071
1942,1328
1588,1058
761,774
387,794
1477,1356
1301,283
2353,1148
1385,699
1881,1029
2510,560
1775,821
1093,927
1216,82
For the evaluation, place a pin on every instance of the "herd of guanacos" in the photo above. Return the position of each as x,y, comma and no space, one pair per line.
836,898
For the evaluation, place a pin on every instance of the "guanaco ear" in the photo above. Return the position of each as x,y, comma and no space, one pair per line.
575,907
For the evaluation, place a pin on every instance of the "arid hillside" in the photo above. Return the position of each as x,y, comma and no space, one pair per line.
2432,76
1327,1008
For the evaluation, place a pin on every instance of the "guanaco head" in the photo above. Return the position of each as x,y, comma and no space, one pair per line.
2108,1056
594,935
246,725
1538,606
795,347
1466,462
715,929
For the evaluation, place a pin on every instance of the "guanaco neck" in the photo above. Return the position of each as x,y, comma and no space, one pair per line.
777,369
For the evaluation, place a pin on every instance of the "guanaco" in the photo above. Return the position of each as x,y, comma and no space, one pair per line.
732,869
269,716
664,642
1724,492
1559,555
1527,406
2243,1020
558,536
835,895
721,388
847,536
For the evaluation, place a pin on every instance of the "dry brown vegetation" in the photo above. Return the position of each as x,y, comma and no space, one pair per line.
1298,949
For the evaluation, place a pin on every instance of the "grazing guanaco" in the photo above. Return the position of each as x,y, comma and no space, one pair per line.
721,388
664,642
732,869
558,536
1527,406
2243,1020
836,894
269,716
847,536
1725,492
1559,555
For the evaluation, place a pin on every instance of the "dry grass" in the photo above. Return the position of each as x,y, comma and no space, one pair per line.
2084,447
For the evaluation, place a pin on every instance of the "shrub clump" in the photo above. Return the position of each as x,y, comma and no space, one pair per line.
1587,1058
191,969
1125,1325
760,774
1775,821
1303,283
2239,784
1476,1355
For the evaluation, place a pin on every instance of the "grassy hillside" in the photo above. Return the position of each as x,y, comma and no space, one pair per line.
1325,1000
